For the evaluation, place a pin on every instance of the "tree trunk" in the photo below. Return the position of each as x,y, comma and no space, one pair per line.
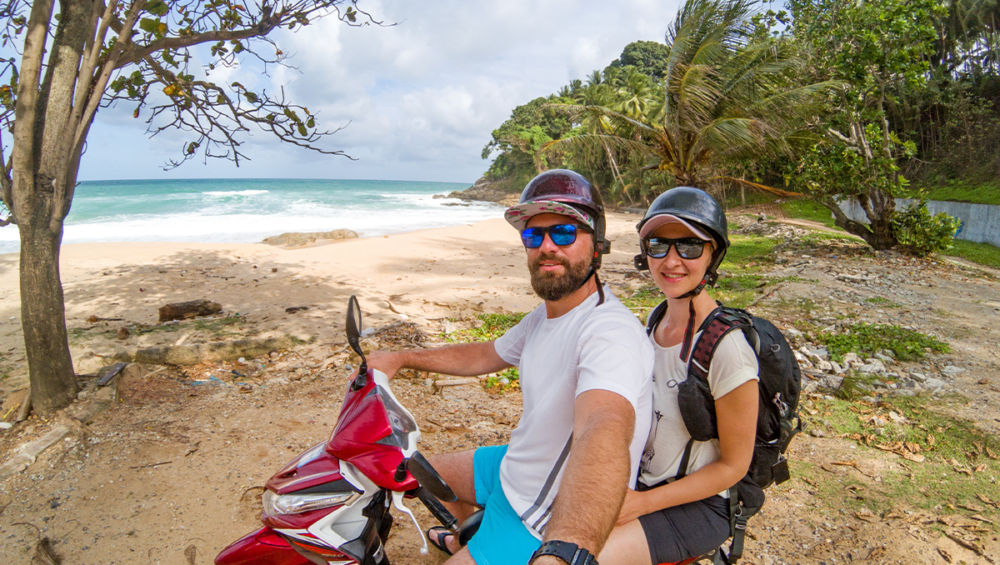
50,366
743,196
878,234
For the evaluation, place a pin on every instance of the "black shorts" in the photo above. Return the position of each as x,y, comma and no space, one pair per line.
689,530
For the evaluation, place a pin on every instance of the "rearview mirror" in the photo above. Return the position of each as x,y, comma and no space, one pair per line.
421,469
353,325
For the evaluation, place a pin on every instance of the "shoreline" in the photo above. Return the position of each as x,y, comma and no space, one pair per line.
422,276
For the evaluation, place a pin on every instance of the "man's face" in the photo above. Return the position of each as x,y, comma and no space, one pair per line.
558,271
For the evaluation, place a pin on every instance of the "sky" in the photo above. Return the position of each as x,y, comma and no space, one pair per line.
419,99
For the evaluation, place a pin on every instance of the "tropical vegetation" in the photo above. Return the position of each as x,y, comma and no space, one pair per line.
829,101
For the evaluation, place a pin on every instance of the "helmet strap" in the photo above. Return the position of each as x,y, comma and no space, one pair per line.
600,290
688,333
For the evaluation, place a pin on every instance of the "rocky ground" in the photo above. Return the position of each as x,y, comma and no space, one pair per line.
173,472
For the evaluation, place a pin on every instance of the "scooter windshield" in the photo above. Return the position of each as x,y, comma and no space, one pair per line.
400,420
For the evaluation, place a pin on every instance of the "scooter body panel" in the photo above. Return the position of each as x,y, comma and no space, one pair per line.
261,547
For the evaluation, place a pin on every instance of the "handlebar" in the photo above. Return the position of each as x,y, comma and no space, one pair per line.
437,509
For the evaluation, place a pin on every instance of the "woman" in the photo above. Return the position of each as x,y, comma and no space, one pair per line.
676,513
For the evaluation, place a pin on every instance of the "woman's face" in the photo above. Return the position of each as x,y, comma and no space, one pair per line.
676,276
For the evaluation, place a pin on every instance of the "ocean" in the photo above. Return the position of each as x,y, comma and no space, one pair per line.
248,210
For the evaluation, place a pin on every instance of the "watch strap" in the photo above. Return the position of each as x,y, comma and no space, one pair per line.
571,553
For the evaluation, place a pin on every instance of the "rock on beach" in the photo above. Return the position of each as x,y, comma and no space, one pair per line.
294,239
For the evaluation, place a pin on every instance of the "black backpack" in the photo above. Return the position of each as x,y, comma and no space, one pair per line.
777,418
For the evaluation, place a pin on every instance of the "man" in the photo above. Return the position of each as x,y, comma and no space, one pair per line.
585,371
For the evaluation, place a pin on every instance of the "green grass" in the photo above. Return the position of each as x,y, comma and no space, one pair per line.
868,339
642,300
960,191
747,249
958,460
816,238
805,209
883,302
982,253
490,327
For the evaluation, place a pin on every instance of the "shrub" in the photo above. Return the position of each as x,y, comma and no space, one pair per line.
920,233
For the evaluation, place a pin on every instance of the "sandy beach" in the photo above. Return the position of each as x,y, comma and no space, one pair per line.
425,277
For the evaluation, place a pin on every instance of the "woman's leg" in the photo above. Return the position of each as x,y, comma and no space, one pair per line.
626,546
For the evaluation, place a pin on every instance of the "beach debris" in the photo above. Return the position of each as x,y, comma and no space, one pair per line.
44,554
189,309
294,309
22,414
111,371
95,319
123,333
274,269
27,454
206,352
458,381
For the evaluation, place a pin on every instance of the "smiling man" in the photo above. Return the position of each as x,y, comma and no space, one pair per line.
553,494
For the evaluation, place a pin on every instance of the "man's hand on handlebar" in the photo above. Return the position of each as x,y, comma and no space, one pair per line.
388,362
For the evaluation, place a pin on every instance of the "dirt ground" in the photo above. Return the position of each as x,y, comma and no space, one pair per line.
172,473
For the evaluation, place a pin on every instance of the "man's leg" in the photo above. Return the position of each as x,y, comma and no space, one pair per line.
457,470
463,557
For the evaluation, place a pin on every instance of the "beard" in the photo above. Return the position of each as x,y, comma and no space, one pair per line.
553,286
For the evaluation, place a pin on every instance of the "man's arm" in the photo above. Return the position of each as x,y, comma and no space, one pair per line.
597,473
462,360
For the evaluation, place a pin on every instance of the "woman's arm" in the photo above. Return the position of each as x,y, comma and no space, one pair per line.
737,419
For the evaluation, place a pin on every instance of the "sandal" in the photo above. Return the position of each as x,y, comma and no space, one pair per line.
438,540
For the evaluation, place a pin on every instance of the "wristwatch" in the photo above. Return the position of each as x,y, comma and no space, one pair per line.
570,553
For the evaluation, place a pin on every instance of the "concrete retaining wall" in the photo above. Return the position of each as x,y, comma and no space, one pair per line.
980,222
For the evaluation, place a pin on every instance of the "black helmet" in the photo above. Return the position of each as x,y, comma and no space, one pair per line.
694,206
561,191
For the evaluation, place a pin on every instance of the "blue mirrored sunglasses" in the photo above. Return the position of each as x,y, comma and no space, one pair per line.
560,234
687,247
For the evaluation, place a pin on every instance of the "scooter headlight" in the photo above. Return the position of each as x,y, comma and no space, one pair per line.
278,504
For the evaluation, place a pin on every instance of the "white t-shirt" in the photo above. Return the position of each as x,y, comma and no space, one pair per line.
733,364
590,347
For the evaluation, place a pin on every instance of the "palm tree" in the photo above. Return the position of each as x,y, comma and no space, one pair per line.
724,97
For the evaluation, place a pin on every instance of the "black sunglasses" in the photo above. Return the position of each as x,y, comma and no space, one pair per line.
687,247
561,235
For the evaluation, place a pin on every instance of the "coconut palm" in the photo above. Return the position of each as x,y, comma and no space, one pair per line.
724,97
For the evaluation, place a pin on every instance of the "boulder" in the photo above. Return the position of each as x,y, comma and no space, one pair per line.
484,190
952,370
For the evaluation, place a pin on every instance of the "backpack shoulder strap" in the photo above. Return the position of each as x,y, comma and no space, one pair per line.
716,326
655,316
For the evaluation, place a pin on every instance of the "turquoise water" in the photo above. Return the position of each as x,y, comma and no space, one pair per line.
248,210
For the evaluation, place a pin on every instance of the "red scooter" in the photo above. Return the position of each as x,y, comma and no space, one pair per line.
330,505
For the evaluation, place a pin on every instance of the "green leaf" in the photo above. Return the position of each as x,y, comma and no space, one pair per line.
148,25
157,8
311,123
251,97
302,130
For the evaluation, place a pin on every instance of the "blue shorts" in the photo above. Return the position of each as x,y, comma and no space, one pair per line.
502,538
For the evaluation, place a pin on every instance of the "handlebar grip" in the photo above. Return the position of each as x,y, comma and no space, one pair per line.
437,509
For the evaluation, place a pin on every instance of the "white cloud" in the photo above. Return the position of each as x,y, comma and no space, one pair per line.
421,96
